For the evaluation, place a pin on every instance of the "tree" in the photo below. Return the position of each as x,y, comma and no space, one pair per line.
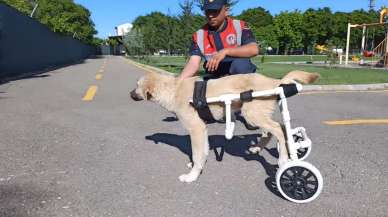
66,17
155,30
256,17
133,42
266,36
260,21
339,29
288,28
97,41
61,16
189,23
23,6
317,27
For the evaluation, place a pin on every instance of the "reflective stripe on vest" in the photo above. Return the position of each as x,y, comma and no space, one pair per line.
201,37
201,40
237,27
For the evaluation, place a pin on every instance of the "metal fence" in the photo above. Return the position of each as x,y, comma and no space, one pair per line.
27,46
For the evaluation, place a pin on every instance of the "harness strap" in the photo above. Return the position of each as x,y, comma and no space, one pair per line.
289,90
200,103
246,96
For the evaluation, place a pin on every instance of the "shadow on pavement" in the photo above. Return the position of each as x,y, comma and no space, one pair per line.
238,146
41,73
23,200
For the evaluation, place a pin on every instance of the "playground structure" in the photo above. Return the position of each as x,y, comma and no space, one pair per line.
378,57
337,51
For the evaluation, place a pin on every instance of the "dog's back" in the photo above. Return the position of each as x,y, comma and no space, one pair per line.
256,82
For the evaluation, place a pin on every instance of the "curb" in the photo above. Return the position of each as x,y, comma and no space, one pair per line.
148,67
345,87
306,88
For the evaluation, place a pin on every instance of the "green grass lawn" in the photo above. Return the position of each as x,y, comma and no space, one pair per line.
329,75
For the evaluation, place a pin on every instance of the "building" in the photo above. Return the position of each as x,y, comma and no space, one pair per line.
119,49
123,29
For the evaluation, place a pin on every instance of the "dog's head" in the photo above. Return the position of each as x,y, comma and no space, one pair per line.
145,88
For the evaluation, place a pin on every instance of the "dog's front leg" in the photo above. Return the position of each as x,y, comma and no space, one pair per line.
200,150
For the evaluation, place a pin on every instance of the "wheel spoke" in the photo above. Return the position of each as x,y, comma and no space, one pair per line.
305,194
296,195
286,175
309,174
314,183
286,181
310,191
298,171
289,188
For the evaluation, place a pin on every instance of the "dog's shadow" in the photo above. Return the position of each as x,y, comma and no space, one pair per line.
238,146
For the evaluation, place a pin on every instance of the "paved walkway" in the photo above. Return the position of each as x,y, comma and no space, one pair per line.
62,155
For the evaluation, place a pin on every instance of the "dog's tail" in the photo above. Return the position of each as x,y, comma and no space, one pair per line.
300,76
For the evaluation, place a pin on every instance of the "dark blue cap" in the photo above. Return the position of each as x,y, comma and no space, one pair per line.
214,4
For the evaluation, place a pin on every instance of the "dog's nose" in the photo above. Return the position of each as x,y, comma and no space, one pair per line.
134,96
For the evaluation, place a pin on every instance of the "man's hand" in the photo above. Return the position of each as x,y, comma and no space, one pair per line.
191,67
212,64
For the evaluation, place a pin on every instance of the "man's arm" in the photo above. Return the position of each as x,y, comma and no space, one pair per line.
191,68
248,50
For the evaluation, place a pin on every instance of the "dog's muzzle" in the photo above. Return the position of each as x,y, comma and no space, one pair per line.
134,96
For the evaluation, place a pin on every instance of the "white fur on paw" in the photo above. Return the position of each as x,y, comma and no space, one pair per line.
190,165
190,177
254,149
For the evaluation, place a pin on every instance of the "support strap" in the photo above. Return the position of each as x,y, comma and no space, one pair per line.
200,103
246,96
289,90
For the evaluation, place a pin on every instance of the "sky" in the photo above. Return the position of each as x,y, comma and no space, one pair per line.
108,14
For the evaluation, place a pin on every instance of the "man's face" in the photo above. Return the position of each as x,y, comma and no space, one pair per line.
216,17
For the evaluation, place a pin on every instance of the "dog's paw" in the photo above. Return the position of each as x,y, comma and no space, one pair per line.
190,165
190,177
254,150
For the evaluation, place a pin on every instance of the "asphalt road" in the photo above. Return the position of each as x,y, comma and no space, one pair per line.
62,156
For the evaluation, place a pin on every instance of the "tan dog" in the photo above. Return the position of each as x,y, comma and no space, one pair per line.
174,95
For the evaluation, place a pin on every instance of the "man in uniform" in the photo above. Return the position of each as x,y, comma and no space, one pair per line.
225,44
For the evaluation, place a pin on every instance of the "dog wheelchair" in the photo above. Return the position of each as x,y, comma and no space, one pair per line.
296,180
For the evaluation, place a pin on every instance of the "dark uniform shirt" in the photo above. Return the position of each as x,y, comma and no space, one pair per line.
246,38
227,65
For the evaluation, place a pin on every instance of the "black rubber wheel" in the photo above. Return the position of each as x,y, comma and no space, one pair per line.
299,183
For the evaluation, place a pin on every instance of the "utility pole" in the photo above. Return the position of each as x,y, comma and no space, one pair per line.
372,4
